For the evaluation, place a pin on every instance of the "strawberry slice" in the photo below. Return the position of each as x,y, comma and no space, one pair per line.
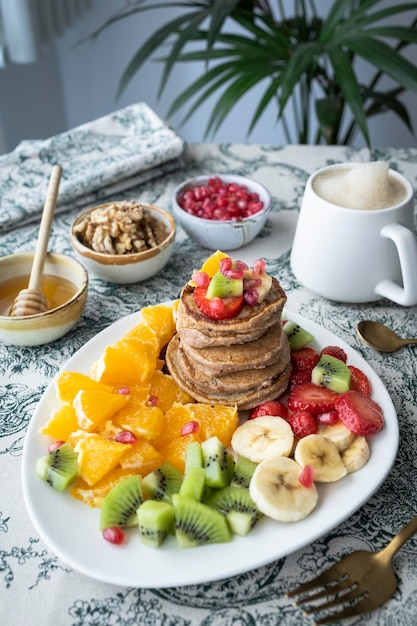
305,358
359,380
217,308
302,424
270,407
336,351
359,413
311,398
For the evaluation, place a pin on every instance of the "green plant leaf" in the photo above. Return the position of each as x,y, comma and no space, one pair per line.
221,10
270,94
388,60
349,88
304,58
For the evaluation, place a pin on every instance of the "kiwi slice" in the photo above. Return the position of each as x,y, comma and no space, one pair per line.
332,373
238,507
194,483
193,456
297,335
59,468
222,287
243,472
198,524
162,483
120,505
215,459
155,522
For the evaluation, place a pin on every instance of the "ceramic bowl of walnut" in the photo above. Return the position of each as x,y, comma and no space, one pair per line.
125,241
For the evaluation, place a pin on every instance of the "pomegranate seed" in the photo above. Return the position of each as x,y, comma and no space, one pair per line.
306,477
233,273
126,436
251,297
242,265
202,279
55,445
190,427
123,391
153,400
114,534
328,419
259,267
226,265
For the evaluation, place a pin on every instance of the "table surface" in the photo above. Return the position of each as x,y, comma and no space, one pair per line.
38,588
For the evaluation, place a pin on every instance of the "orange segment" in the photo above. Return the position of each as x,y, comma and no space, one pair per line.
68,384
217,420
164,387
144,332
62,423
127,362
212,264
94,495
94,407
175,418
142,457
161,319
173,450
98,456
140,417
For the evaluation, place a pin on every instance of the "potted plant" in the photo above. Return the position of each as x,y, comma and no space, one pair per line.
296,55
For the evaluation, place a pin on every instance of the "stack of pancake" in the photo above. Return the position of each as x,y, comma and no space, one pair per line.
241,361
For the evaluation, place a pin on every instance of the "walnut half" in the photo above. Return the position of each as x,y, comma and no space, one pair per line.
124,227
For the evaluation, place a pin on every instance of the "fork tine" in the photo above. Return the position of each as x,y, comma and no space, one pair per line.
337,601
349,611
320,580
344,584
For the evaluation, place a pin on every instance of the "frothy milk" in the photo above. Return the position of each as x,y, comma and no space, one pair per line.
364,186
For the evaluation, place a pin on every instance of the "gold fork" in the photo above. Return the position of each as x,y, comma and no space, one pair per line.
362,579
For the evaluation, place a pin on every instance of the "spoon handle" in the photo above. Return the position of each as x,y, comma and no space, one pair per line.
45,228
411,341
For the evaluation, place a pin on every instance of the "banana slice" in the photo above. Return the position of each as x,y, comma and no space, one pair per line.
322,454
263,437
277,492
357,455
339,434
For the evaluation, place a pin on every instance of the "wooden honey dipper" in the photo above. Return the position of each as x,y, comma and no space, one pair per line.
31,301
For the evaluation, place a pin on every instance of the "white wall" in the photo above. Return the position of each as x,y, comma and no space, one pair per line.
81,84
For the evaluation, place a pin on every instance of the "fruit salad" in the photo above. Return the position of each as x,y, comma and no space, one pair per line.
127,439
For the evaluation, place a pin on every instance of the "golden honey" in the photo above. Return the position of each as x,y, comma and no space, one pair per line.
56,289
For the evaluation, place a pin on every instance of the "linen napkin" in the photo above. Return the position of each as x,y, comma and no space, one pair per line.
98,159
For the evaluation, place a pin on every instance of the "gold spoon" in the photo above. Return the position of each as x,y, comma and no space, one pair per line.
31,301
381,337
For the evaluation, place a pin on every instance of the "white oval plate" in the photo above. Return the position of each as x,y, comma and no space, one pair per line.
71,529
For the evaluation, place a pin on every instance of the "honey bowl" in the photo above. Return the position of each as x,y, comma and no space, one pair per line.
65,285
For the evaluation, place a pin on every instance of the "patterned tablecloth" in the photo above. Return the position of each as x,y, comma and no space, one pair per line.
36,587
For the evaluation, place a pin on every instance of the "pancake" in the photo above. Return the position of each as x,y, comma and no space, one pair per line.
256,354
270,388
250,319
235,381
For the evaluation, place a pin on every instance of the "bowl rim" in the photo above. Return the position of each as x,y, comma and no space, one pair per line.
81,290
123,259
190,182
